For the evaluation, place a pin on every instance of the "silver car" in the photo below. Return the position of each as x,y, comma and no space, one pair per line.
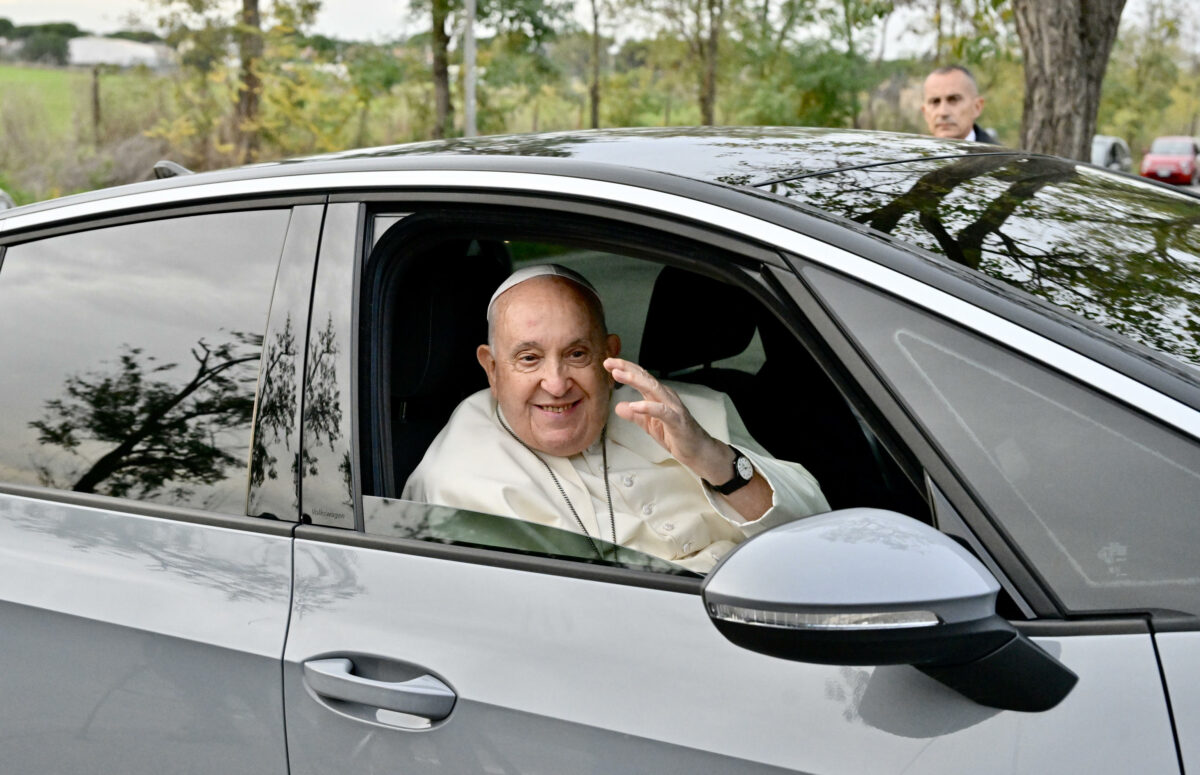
213,388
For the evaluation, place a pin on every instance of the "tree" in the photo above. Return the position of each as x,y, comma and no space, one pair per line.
250,51
443,108
701,25
374,71
534,18
198,129
969,32
1066,45
1143,68
594,86
45,47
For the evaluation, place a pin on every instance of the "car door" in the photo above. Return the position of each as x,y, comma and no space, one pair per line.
411,651
143,611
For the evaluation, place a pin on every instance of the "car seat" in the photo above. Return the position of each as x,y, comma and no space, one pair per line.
437,321
790,405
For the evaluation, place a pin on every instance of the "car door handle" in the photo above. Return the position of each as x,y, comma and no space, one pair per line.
423,696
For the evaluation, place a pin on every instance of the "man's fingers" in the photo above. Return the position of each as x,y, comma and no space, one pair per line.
629,373
659,411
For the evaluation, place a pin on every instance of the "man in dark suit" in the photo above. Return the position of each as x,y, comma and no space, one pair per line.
952,104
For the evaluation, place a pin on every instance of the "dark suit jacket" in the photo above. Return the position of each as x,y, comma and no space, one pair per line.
983,136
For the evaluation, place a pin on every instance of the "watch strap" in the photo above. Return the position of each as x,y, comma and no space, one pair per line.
738,481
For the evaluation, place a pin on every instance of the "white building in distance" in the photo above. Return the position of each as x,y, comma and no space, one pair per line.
90,51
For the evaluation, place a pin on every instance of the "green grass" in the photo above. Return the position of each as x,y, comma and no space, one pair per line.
58,91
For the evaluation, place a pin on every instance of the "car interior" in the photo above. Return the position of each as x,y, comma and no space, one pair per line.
426,287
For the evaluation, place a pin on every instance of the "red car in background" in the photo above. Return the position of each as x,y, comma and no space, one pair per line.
1173,160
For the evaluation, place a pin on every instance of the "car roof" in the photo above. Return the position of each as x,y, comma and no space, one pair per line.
735,156
746,156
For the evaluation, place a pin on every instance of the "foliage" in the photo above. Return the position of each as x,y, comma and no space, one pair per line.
805,62
1142,72
45,48
373,72
137,36
969,32
65,30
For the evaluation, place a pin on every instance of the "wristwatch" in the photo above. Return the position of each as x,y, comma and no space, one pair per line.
743,472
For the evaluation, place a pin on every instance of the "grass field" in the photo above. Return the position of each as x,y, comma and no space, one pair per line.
58,92
50,144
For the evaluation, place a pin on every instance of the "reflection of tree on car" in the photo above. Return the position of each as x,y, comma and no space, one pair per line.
1035,222
161,433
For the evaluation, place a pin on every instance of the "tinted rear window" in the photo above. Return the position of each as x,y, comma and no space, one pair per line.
130,357
1110,248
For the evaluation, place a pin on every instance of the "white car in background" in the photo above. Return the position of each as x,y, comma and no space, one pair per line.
1112,153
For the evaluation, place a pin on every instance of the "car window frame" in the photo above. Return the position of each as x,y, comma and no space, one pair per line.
757,264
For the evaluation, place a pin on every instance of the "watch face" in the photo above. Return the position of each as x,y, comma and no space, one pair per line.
745,469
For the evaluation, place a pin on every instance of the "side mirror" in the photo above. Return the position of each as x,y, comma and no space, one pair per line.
871,587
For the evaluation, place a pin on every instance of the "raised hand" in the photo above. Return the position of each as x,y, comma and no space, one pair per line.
663,416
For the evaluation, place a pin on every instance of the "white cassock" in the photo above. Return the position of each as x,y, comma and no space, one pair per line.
659,506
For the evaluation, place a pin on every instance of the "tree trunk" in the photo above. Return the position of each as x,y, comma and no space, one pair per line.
250,50
360,138
443,111
469,125
710,47
594,91
1065,44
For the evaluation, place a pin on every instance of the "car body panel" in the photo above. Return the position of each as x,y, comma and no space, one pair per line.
135,644
583,667
1180,655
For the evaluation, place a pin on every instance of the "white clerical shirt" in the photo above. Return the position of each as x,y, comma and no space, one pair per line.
659,506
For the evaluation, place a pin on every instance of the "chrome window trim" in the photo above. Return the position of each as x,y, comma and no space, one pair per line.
1099,376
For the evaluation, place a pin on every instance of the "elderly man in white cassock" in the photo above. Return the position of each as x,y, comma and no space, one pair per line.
665,468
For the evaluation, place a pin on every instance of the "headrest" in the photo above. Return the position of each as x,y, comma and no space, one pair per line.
694,320
437,324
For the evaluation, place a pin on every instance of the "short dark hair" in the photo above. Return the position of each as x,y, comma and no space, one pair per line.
947,69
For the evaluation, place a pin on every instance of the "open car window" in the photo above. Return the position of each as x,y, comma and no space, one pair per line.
700,322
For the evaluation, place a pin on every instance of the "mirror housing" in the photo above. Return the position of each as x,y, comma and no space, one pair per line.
872,587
